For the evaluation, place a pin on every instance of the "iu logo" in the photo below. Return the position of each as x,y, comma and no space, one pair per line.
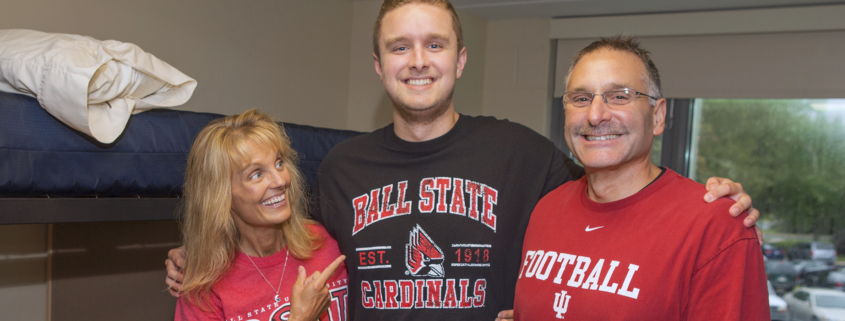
561,302
422,256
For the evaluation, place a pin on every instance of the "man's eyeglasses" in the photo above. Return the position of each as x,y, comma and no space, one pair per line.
615,97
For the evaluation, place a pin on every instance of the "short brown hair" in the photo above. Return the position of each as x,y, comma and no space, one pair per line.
389,5
624,44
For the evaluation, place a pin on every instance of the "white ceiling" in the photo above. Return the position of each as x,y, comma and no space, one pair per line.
510,9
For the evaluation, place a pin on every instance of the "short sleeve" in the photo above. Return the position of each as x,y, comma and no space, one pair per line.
188,311
732,286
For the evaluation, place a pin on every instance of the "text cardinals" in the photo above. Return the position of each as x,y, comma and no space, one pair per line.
423,294
450,195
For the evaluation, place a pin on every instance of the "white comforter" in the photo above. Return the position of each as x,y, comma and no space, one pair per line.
91,85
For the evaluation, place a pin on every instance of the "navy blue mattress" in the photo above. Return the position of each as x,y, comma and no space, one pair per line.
41,156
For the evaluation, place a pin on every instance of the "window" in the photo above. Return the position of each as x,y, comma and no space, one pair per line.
825,246
788,154
830,301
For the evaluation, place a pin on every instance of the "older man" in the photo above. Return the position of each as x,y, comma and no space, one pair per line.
631,240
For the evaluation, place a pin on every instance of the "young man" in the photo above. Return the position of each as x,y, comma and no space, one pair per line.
630,240
432,209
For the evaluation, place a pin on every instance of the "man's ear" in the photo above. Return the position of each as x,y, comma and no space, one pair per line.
378,65
462,61
659,116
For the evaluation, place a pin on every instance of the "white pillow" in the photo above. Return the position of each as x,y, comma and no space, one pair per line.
90,85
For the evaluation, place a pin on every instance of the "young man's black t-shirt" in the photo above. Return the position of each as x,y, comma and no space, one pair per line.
434,229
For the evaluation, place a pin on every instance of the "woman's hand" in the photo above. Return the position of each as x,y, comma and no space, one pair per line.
309,298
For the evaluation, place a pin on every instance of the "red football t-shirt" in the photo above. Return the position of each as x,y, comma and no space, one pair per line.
660,254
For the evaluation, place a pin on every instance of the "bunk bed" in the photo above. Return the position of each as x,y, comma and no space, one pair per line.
51,173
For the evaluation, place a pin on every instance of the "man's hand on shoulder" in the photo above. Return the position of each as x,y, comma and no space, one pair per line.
718,187
174,263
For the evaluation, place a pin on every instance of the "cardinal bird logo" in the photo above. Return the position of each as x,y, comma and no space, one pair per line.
422,256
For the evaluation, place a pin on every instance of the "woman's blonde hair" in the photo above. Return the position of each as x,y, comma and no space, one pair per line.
208,230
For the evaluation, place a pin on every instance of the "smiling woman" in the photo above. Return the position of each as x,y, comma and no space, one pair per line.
259,190
245,221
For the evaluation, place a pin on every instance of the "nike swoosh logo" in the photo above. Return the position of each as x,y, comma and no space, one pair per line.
588,229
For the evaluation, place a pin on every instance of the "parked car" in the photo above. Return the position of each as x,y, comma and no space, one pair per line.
800,251
772,252
808,304
836,279
782,275
777,306
815,277
820,251
801,265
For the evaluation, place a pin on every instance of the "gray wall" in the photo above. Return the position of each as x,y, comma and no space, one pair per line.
516,78
290,58
756,66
